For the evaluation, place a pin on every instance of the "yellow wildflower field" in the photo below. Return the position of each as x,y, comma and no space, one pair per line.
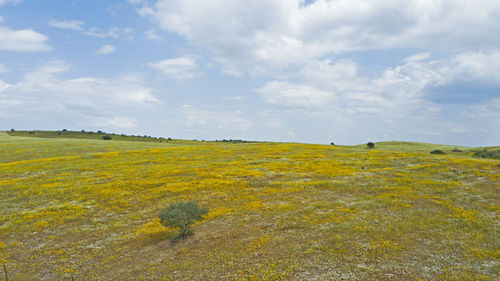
87,210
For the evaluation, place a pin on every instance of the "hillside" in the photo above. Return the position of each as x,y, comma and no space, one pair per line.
84,135
74,207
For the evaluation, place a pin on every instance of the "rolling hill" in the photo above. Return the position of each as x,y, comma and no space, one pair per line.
76,206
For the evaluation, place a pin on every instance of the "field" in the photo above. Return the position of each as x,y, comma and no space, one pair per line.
86,209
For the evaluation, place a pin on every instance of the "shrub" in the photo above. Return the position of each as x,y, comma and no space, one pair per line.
370,145
332,143
106,137
492,154
438,152
12,130
182,215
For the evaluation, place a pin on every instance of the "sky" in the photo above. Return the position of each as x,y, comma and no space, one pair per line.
342,71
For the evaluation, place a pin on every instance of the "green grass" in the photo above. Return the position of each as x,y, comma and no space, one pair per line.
84,135
27,148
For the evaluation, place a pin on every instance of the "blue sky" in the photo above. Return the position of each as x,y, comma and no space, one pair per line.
319,71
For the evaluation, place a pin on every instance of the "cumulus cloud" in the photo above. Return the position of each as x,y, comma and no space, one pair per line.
47,86
24,40
399,102
296,95
67,24
180,69
280,33
106,49
413,82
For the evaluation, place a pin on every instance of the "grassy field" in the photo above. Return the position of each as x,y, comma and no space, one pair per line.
83,135
86,209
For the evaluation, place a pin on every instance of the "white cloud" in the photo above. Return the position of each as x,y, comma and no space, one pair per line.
3,86
113,32
106,49
153,35
279,33
235,98
46,85
296,95
135,2
44,76
2,19
397,103
3,69
113,122
120,91
418,57
471,66
67,24
337,75
205,120
24,40
407,85
180,69
13,2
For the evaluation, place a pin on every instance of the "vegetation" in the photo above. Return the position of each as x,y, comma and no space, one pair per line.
370,145
84,135
492,154
87,209
106,137
438,152
182,215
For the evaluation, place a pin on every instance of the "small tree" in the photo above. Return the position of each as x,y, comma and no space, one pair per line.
106,137
370,145
182,215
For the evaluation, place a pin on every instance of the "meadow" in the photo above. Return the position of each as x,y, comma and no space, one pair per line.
87,209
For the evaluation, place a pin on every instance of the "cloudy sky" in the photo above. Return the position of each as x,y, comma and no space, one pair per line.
343,71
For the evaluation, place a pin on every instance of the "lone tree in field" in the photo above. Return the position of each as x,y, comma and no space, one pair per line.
370,145
182,215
